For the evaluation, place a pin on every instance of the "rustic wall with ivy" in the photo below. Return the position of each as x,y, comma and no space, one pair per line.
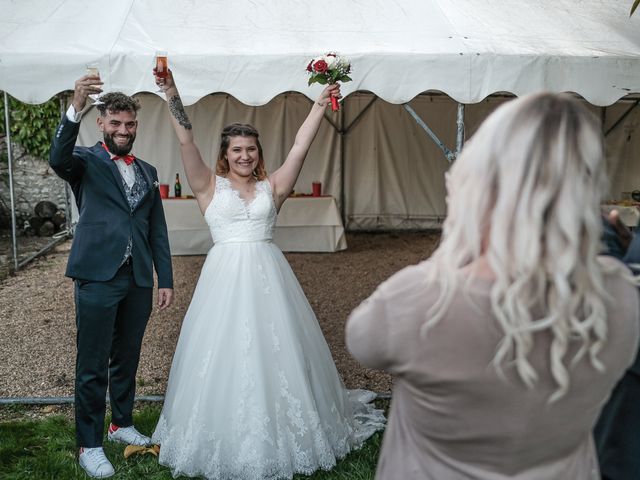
32,127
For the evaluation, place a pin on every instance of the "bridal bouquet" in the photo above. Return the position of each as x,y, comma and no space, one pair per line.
327,69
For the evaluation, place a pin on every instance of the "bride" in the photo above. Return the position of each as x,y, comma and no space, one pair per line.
253,392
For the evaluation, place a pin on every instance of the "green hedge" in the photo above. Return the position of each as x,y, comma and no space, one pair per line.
32,126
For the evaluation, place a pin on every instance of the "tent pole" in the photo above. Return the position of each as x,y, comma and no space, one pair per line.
62,235
45,249
333,124
70,400
7,126
362,112
67,193
343,131
447,153
460,126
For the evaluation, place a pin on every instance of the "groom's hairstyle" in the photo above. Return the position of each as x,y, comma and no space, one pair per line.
114,102
239,130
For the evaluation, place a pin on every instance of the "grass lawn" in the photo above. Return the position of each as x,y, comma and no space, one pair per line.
44,448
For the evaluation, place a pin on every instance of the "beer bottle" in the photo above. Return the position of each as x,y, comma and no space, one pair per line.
177,188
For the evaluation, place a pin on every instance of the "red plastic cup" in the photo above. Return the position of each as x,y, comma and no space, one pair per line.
316,188
164,190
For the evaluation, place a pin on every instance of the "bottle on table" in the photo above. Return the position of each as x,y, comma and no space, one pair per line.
177,188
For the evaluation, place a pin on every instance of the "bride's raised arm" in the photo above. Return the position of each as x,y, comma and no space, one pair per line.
200,177
284,178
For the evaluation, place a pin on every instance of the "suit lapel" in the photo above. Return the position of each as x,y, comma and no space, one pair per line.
103,155
147,178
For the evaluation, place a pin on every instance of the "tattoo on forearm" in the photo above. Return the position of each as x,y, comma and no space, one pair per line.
177,110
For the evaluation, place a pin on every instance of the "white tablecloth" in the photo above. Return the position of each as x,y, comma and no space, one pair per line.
630,215
305,224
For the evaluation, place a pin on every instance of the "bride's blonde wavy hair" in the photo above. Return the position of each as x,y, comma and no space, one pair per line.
525,193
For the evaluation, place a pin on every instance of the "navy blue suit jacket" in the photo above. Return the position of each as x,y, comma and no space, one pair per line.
106,221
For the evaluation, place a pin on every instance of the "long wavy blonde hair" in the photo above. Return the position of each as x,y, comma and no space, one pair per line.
525,196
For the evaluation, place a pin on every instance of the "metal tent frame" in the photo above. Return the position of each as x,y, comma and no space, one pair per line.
57,238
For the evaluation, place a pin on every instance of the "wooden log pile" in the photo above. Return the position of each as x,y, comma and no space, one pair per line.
47,220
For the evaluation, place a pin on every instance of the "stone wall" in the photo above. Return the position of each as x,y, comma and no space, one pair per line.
33,181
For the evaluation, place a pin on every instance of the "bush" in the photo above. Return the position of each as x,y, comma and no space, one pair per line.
32,126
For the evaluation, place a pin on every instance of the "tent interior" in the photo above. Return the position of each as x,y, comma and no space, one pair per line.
242,61
385,169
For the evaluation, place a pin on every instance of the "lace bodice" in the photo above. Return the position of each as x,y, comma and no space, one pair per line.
233,219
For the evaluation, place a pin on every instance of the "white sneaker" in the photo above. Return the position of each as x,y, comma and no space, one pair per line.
95,463
128,436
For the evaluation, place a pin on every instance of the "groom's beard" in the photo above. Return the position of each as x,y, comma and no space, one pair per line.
116,149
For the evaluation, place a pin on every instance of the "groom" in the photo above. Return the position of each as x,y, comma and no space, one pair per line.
120,236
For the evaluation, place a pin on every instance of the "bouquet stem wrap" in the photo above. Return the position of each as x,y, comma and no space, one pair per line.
335,106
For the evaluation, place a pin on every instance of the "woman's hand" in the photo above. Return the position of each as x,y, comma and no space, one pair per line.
332,90
165,83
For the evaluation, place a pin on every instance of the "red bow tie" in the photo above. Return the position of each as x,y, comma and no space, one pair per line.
128,159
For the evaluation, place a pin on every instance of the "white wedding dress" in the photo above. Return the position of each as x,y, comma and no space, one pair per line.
253,391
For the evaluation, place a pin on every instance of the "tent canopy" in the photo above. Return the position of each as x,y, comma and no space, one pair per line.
379,164
254,51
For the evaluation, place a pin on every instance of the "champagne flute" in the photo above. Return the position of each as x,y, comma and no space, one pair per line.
93,70
162,66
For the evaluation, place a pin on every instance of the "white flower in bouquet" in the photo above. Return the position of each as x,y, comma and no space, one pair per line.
332,61
344,64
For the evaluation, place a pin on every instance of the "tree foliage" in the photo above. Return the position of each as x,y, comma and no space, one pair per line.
32,126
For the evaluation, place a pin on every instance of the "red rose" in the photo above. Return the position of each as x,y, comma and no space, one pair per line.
309,67
320,66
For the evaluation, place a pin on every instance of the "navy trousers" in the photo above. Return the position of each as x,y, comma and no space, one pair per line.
110,318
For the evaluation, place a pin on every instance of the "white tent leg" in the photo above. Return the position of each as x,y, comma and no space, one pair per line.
451,156
62,235
343,132
460,127
67,192
14,239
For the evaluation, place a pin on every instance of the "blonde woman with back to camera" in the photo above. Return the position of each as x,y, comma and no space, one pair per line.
506,343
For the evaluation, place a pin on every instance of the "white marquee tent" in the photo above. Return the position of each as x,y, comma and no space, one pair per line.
245,61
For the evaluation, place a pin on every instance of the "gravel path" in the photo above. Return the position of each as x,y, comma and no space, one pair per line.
37,319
